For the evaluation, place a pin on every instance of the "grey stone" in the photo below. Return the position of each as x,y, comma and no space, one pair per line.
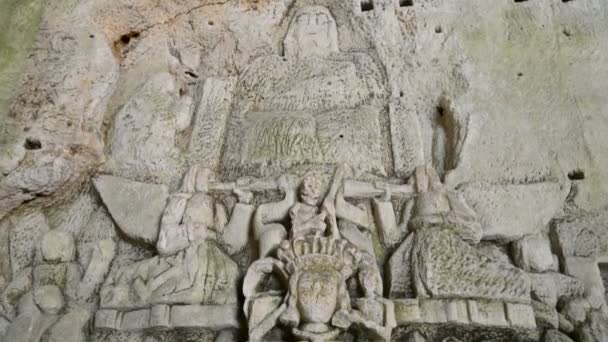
555,336
57,246
595,329
487,313
546,315
25,233
575,310
509,212
135,207
533,254
582,236
520,315
506,99
587,271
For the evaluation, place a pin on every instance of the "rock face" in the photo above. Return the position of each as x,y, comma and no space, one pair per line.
307,170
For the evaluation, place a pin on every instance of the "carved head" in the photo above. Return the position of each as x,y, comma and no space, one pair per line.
311,190
318,292
312,32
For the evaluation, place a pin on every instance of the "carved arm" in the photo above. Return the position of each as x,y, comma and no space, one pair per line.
173,235
236,232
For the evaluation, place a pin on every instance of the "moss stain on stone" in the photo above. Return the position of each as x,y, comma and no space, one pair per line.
19,23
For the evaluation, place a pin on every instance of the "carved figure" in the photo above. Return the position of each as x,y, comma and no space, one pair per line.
314,106
58,304
190,268
316,304
436,260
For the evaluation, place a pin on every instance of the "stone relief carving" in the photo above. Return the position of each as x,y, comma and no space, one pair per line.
296,227
312,106
191,267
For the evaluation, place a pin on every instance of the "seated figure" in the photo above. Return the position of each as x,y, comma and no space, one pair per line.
190,267
314,106
436,260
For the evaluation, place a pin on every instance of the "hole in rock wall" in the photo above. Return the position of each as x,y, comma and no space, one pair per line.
32,144
520,0
126,38
367,5
438,29
445,139
604,273
406,3
576,174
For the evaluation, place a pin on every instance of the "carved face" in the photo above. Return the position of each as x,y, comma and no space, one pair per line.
311,191
312,32
318,296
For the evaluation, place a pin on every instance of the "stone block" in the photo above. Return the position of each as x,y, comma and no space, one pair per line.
135,320
487,313
216,317
533,254
160,316
433,311
520,315
407,311
107,319
457,311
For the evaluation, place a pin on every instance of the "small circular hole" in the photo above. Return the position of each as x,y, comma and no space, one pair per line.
125,39
438,29
520,74
341,136
210,23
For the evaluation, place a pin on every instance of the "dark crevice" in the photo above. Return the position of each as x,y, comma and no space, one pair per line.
406,3
576,174
32,144
367,5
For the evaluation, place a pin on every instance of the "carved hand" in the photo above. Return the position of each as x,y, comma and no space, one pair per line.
283,184
387,195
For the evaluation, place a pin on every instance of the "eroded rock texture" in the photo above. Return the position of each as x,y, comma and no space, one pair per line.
307,170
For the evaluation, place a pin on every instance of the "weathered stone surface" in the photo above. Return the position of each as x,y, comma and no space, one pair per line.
546,315
135,207
508,212
533,253
587,271
25,233
582,236
460,121
555,336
